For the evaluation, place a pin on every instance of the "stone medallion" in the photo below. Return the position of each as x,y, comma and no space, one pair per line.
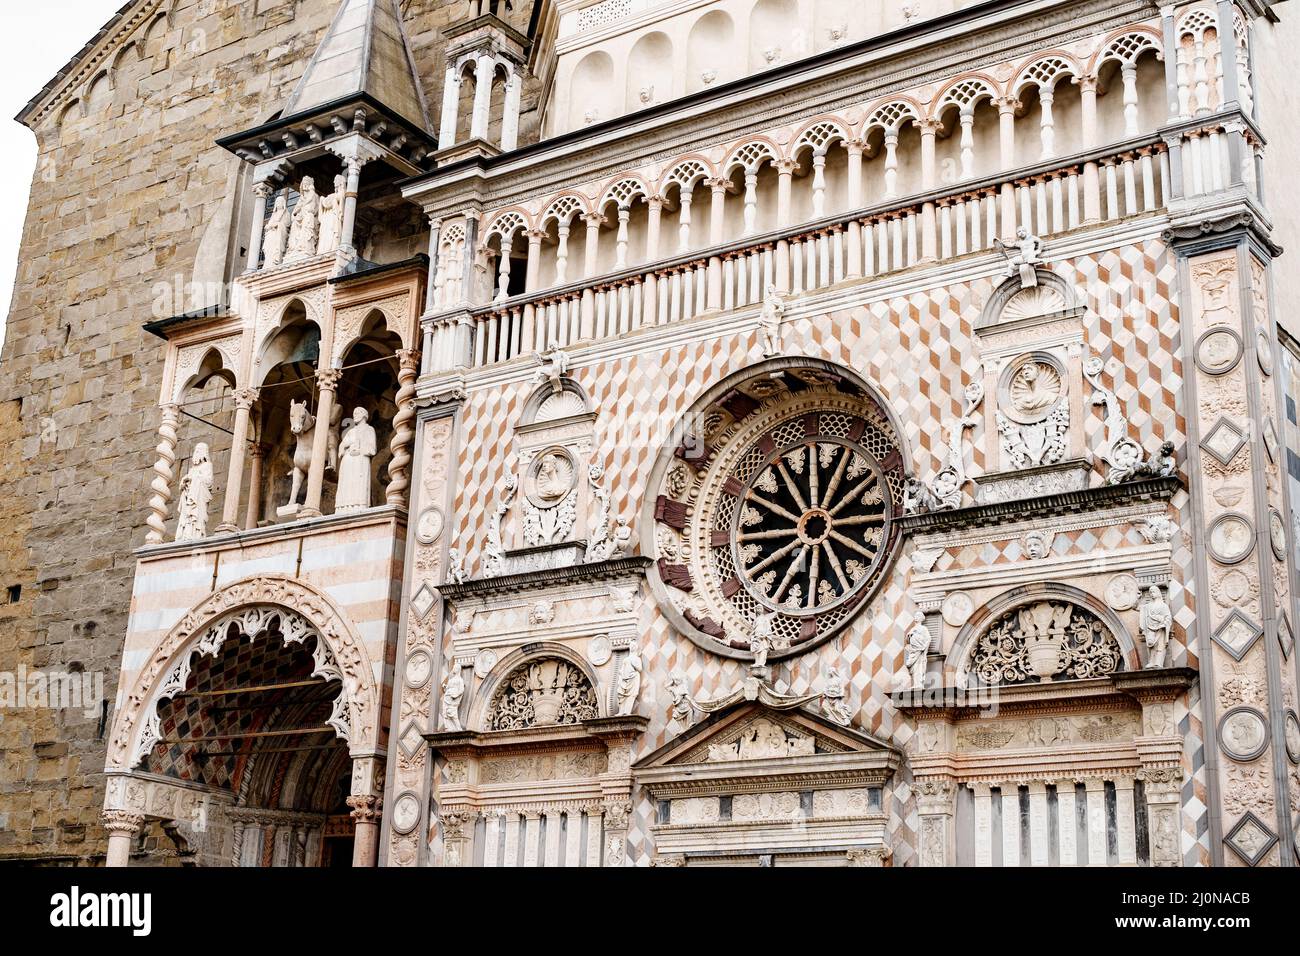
428,527
406,812
552,475
599,650
1232,588
1218,351
1264,352
957,608
1122,592
1277,534
418,668
1291,728
484,661
1243,733
1032,389
1231,538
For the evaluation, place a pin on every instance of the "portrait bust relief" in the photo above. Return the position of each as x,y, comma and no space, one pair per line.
1032,390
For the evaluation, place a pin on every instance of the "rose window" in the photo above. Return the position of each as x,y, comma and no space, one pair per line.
780,504
810,525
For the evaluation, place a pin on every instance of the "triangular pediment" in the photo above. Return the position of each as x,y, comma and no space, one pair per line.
752,733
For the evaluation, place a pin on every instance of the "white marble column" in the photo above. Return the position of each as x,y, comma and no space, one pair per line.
261,193
245,399
983,823
484,67
1047,126
1038,828
891,164
1010,824
1067,823
327,382
510,118
1096,809
450,107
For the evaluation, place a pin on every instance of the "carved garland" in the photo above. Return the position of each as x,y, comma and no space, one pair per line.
540,693
252,603
1042,642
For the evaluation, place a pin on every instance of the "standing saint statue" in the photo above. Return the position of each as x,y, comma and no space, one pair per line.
355,450
1156,619
331,218
453,689
629,683
306,222
915,654
277,233
196,496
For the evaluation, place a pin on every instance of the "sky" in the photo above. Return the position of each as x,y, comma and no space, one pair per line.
36,40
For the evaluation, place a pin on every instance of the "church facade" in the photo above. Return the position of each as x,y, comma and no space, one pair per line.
726,433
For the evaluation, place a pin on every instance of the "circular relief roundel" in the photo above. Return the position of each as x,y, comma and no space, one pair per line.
779,502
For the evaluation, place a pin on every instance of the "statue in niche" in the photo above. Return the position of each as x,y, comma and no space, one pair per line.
453,689
769,320
306,222
195,496
1156,620
276,236
302,425
356,449
682,712
1023,256
331,218
833,703
629,682
915,654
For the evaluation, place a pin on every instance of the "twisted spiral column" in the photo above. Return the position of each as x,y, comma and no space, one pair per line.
164,474
399,468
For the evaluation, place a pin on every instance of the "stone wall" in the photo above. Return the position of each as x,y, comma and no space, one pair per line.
131,198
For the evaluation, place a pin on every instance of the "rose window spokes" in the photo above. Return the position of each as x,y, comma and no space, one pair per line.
811,525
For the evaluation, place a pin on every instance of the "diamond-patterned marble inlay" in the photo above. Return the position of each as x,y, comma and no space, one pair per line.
1224,441
424,600
1237,634
411,740
1250,839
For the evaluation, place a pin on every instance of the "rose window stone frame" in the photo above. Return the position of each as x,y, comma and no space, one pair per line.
754,514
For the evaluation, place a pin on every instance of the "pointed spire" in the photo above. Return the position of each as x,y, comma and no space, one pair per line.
364,51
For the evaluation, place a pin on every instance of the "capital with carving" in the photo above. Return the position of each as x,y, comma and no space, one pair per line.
364,807
246,398
122,821
1161,784
327,379
408,360
264,190
1007,104
617,813
870,856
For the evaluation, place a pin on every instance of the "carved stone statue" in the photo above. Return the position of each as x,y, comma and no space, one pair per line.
1158,529
453,689
554,366
833,703
1022,256
600,544
356,449
682,712
195,496
622,539
302,425
1156,620
760,640
331,218
455,566
629,682
917,498
494,552
305,229
770,321
914,656
276,236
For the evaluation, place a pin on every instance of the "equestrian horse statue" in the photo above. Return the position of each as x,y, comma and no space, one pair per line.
302,425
